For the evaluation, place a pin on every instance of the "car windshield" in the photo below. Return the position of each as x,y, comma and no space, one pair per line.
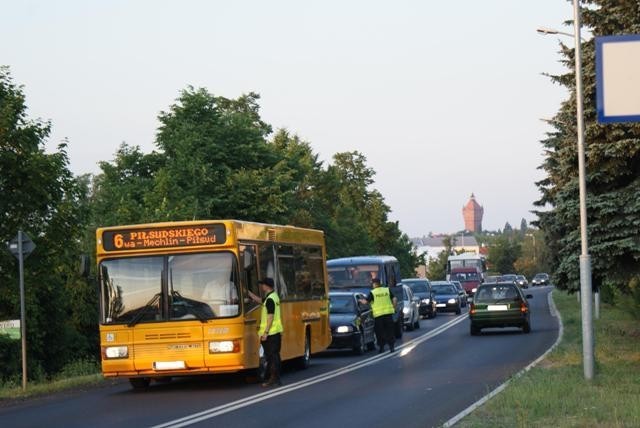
444,289
353,275
341,305
496,293
198,286
419,288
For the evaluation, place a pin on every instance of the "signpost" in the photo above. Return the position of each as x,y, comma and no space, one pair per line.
11,328
21,246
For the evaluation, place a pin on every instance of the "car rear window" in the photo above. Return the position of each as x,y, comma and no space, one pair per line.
496,292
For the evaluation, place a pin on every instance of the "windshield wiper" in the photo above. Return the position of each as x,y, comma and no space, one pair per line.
192,309
144,310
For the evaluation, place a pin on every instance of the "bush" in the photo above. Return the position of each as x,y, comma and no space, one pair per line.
81,367
10,355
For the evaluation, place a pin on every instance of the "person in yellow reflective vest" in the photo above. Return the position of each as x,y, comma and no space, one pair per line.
383,306
270,330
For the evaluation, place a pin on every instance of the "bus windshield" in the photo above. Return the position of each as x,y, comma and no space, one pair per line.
465,276
198,286
353,275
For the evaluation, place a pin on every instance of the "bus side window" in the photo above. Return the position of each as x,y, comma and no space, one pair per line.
249,274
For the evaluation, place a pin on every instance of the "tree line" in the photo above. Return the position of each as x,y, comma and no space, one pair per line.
214,158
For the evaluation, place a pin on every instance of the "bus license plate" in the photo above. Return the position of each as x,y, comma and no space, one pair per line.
169,365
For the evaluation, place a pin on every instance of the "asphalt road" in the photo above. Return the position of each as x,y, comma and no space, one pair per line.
435,373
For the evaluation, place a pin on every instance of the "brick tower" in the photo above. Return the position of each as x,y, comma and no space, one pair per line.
472,213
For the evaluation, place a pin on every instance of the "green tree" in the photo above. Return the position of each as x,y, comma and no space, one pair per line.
41,197
437,267
612,169
503,252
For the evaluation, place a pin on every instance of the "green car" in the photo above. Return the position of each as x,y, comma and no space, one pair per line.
500,304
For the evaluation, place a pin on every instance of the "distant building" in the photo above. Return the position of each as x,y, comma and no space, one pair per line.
472,213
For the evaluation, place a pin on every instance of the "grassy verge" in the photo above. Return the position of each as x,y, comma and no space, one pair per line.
8,392
554,393
76,375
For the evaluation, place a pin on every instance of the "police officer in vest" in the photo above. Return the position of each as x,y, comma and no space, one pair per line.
270,330
383,305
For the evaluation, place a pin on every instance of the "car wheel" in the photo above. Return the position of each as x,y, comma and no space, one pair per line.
372,345
526,328
410,325
474,330
458,310
359,348
416,325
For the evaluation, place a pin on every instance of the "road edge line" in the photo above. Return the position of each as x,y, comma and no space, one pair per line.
500,388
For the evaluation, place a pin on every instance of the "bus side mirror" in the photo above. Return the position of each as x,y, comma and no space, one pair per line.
84,266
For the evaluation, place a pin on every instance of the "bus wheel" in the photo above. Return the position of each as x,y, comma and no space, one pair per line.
139,383
304,360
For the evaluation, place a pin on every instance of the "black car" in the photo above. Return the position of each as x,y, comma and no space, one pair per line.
499,305
351,322
421,288
447,297
461,292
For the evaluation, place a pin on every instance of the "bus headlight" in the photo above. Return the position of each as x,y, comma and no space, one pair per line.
224,346
474,290
344,329
113,352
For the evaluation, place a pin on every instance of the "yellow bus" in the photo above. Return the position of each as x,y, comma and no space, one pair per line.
174,301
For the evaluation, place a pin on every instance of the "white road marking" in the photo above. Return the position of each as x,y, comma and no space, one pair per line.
248,401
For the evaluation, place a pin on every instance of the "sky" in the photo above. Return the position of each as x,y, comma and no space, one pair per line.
443,98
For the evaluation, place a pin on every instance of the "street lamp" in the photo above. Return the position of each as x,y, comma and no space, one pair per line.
585,260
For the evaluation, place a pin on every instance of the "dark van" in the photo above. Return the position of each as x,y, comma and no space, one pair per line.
355,274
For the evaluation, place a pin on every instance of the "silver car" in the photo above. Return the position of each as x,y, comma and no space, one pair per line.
410,308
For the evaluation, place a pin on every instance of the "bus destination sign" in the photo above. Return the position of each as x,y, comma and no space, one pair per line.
164,237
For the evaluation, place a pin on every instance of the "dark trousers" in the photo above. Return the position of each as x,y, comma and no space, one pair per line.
271,348
384,328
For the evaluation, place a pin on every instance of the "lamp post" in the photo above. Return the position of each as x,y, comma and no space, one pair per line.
585,260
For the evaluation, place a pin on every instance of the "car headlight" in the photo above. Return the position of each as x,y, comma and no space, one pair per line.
473,290
405,310
224,346
344,329
451,301
113,352
426,301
